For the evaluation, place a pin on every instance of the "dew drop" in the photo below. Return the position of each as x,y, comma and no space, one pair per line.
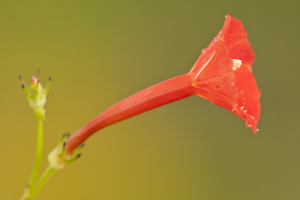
257,129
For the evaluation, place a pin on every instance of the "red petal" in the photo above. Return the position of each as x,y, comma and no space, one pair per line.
248,104
215,79
236,40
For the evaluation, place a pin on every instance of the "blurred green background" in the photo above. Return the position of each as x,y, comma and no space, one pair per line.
99,52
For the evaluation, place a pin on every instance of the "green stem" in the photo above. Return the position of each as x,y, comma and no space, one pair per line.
38,155
49,171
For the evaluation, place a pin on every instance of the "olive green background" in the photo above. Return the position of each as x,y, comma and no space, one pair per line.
99,52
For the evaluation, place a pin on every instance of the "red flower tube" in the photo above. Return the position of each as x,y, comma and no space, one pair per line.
222,74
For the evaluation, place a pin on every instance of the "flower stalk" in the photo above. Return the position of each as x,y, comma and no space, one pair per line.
38,155
36,96
48,172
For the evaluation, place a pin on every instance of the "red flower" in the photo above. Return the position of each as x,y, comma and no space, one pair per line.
219,77
222,74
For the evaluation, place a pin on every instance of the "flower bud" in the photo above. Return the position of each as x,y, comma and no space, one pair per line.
37,96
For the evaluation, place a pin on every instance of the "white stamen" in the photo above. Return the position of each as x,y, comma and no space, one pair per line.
236,64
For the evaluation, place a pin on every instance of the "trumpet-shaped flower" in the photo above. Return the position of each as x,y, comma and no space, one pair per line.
222,74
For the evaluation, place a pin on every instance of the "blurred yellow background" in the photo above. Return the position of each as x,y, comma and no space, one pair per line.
99,52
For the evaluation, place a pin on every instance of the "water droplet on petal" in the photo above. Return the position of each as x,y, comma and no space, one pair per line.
257,129
216,87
